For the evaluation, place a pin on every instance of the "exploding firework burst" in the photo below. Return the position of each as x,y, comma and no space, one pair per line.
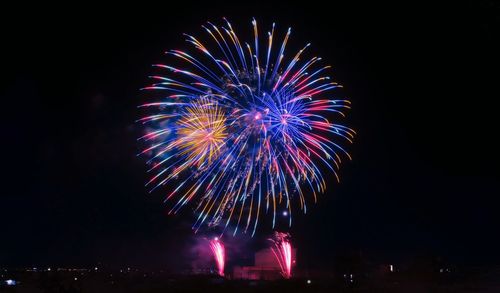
282,250
241,130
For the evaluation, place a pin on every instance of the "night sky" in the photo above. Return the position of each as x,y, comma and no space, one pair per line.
424,180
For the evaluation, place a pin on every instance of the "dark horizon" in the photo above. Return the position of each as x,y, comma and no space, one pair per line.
423,182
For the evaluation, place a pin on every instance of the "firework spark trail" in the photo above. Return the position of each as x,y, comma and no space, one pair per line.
282,250
241,129
219,255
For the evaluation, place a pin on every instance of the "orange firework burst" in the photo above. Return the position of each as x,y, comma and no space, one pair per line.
202,132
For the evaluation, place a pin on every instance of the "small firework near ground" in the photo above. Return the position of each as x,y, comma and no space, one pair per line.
243,129
219,253
282,250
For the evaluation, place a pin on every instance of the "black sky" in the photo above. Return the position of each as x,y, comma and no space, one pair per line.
424,85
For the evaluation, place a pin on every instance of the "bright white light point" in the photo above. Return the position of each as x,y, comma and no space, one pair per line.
48,269
285,213
216,238
95,268
308,281
391,268
76,279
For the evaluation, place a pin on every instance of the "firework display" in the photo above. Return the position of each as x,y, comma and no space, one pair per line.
219,255
239,130
282,250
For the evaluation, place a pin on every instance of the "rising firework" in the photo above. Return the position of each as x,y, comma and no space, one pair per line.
282,250
219,255
241,130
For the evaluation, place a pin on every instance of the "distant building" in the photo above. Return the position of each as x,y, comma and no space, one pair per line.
266,267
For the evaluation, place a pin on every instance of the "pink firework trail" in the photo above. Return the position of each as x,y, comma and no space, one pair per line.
219,254
282,250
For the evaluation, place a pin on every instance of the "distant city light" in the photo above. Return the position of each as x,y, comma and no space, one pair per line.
285,213
76,279
308,281
10,282
95,268
391,267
